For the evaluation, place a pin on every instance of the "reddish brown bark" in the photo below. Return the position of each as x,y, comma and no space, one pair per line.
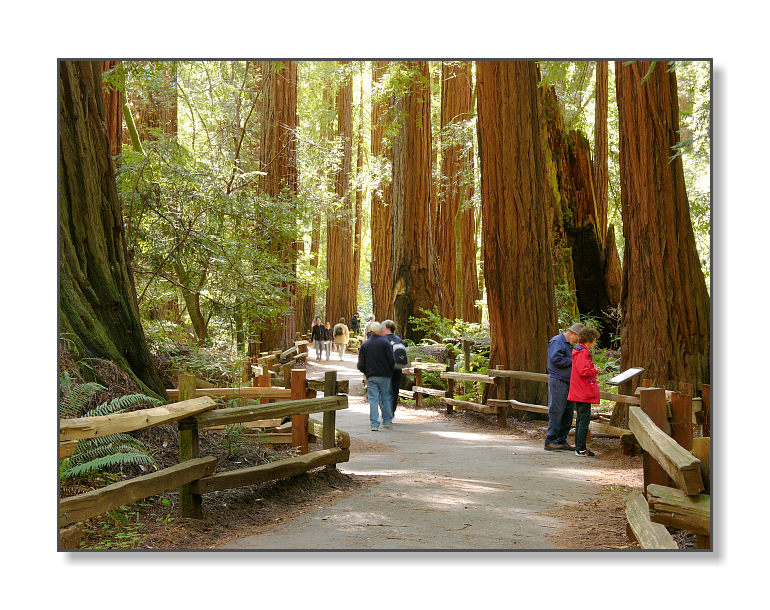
341,296
456,236
414,262
113,111
515,238
382,209
98,308
601,176
665,304
278,159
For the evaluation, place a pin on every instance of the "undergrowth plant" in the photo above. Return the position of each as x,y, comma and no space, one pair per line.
113,450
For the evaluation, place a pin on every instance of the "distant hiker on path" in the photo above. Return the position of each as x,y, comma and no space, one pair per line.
583,388
401,360
328,338
560,409
368,327
341,337
355,324
375,361
317,336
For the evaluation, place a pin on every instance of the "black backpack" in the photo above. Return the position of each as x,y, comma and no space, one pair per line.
400,357
338,331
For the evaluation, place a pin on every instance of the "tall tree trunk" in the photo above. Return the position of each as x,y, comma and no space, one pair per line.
359,216
516,240
97,295
155,107
341,296
382,209
665,304
601,176
113,111
456,237
278,159
415,272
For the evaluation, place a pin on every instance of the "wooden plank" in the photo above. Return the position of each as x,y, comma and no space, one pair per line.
317,384
257,425
520,375
289,352
341,438
649,535
626,436
190,504
244,392
299,421
67,448
473,406
518,406
87,505
299,343
418,382
653,403
681,419
93,427
70,537
680,464
272,471
406,394
237,415
328,431
428,391
473,377
630,400
701,449
433,367
674,508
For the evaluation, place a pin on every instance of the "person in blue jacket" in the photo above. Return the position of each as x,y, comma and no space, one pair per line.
560,410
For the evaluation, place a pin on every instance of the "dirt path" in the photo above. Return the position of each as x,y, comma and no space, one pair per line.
443,485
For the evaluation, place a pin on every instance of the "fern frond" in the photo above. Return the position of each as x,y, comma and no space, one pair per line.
116,459
92,448
119,404
75,396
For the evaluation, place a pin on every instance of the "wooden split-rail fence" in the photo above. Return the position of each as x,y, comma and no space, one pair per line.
194,475
676,467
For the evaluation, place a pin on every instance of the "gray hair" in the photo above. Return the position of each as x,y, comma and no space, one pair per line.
390,324
375,327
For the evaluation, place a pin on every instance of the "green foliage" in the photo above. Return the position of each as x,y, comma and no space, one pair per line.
432,324
113,450
234,439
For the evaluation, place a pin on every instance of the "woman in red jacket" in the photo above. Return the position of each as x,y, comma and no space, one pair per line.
583,388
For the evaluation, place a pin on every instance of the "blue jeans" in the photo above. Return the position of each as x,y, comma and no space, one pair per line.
560,411
319,349
379,394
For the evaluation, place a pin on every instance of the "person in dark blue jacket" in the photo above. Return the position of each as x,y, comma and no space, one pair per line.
560,410
375,361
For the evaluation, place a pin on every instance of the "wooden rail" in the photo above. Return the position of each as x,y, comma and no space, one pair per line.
681,465
649,535
87,505
672,507
245,392
93,427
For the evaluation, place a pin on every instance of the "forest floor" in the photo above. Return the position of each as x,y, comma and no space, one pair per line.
432,481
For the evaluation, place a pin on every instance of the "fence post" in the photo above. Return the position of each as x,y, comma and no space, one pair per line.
450,383
467,354
299,422
653,403
681,419
502,412
263,381
706,407
287,376
330,417
418,382
190,504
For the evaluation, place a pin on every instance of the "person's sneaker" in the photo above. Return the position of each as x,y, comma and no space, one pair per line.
584,453
386,425
565,446
554,446
374,429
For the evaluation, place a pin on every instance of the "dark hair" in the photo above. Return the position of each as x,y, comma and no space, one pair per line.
588,334
390,324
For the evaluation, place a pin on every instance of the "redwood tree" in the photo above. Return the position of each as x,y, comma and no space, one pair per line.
665,304
341,296
97,296
278,159
456,225
382,209
414,262
113,111
515,238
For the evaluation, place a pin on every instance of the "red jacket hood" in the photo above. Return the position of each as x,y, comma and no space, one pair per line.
582,384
